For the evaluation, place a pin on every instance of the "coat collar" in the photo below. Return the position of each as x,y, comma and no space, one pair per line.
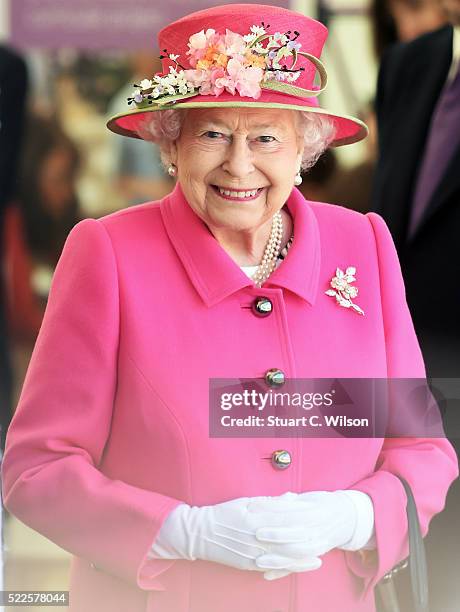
213,272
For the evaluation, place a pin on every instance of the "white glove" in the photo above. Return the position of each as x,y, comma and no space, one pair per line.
226,533
320,521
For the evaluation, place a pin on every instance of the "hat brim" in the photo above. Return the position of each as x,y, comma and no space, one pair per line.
348,129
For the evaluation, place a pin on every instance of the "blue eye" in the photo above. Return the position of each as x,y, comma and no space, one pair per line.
267,138
213,135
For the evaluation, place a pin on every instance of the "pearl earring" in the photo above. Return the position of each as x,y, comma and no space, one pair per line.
298,179
172,170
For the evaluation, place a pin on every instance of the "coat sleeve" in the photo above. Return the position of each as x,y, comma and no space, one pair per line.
50,475
428,464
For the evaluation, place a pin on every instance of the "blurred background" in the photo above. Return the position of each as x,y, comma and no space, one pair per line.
65,67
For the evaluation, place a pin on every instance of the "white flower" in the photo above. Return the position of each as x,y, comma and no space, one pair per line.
338,283
342,290
351,291
173,57
259,48
257,30
198,40
146,83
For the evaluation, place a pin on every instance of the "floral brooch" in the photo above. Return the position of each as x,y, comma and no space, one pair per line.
227,62
343,291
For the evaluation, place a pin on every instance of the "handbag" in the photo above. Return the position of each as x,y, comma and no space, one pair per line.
416,562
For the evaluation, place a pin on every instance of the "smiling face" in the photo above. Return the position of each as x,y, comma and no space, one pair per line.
236,167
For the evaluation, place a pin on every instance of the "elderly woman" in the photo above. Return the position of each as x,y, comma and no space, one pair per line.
234,275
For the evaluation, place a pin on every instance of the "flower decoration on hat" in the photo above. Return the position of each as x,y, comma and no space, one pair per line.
343,291
239,64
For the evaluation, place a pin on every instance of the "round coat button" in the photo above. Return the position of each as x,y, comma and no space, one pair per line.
262,306
274,377
281,459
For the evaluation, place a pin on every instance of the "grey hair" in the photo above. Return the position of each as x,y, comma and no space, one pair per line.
318,131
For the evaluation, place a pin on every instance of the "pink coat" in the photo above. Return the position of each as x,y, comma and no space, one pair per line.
111,431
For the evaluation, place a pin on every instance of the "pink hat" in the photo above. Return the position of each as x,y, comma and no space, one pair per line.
238,55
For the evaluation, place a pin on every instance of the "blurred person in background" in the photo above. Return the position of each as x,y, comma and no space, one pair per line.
37,223
13,95
328,180
403,20
417,191
138,173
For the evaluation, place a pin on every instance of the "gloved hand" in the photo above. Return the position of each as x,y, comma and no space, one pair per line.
226,533
318,521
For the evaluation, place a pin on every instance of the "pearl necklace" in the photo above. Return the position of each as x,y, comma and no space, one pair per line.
272,250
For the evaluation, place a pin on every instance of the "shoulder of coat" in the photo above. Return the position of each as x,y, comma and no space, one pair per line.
340,224
137,213
336,212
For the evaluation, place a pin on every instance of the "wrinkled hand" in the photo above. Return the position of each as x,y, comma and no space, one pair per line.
227,533
318,521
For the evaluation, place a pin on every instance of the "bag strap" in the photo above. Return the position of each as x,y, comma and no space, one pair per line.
417,558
